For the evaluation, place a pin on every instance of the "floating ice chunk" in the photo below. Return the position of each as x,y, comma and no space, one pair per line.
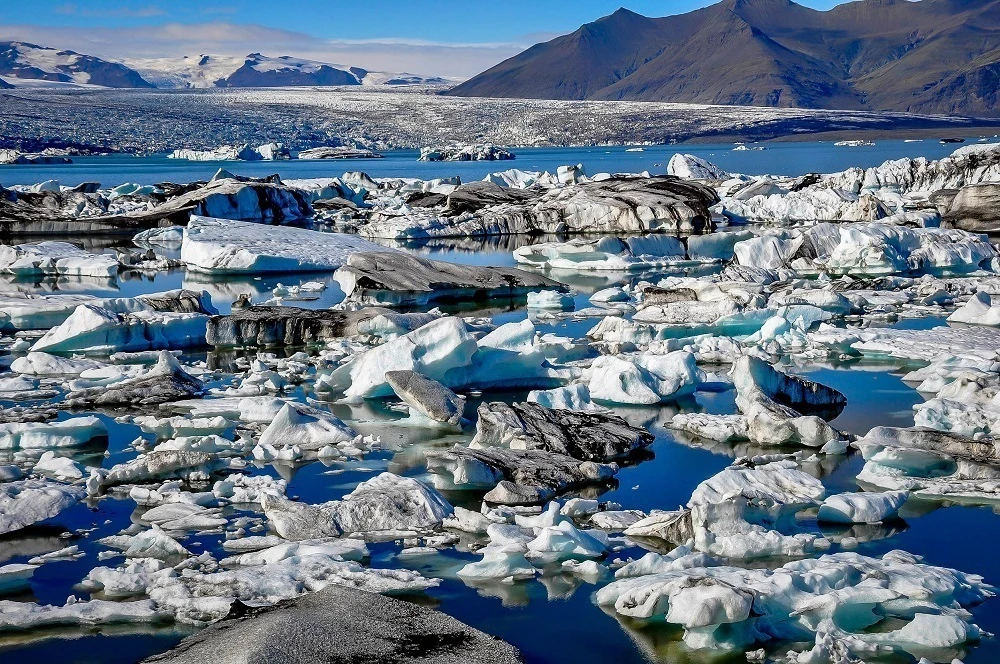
431,350
305,427
158,466
770,400
722,428
564,541
862,507
427,397
386,502
571,397
56,258
644,379
58,468
179,517
613,294
690,167
226,247
44,364
517,477
842,594
98,330
172,427
72,432
153,543
25,502
607,253
241,489
23,616
584,436
504,561
980,310
550,300
400,279
15,577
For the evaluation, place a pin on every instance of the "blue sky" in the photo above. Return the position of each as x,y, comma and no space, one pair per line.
446,37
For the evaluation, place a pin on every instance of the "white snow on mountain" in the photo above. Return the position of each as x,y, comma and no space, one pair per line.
257,70
21,61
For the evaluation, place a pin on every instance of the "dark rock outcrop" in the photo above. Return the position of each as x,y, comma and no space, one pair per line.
584,436
396,278
339,625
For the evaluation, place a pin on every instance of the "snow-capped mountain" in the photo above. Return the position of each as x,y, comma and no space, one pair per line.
21,60
22,63
260,71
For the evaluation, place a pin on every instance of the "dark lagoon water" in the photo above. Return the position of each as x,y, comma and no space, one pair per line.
554,619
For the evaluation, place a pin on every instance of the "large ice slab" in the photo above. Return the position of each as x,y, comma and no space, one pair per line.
221,246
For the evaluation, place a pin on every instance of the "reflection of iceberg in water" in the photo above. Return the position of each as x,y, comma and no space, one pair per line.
864,532
227,289
660,641
52,284
509,594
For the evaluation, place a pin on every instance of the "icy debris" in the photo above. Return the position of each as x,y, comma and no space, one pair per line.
24,616
841,595
72,432
872,249
152,543
221,246
154,466
550,299
584,436
25,502
570,397
240,489
486,152
266,152
431,350
385,503
15,577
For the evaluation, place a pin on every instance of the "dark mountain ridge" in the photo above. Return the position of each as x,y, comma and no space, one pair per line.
931,56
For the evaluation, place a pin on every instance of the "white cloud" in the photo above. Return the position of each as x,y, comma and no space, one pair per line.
221,38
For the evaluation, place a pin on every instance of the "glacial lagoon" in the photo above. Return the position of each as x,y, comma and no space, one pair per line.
553,617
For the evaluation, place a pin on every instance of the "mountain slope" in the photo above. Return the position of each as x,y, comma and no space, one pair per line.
926,56
30,61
